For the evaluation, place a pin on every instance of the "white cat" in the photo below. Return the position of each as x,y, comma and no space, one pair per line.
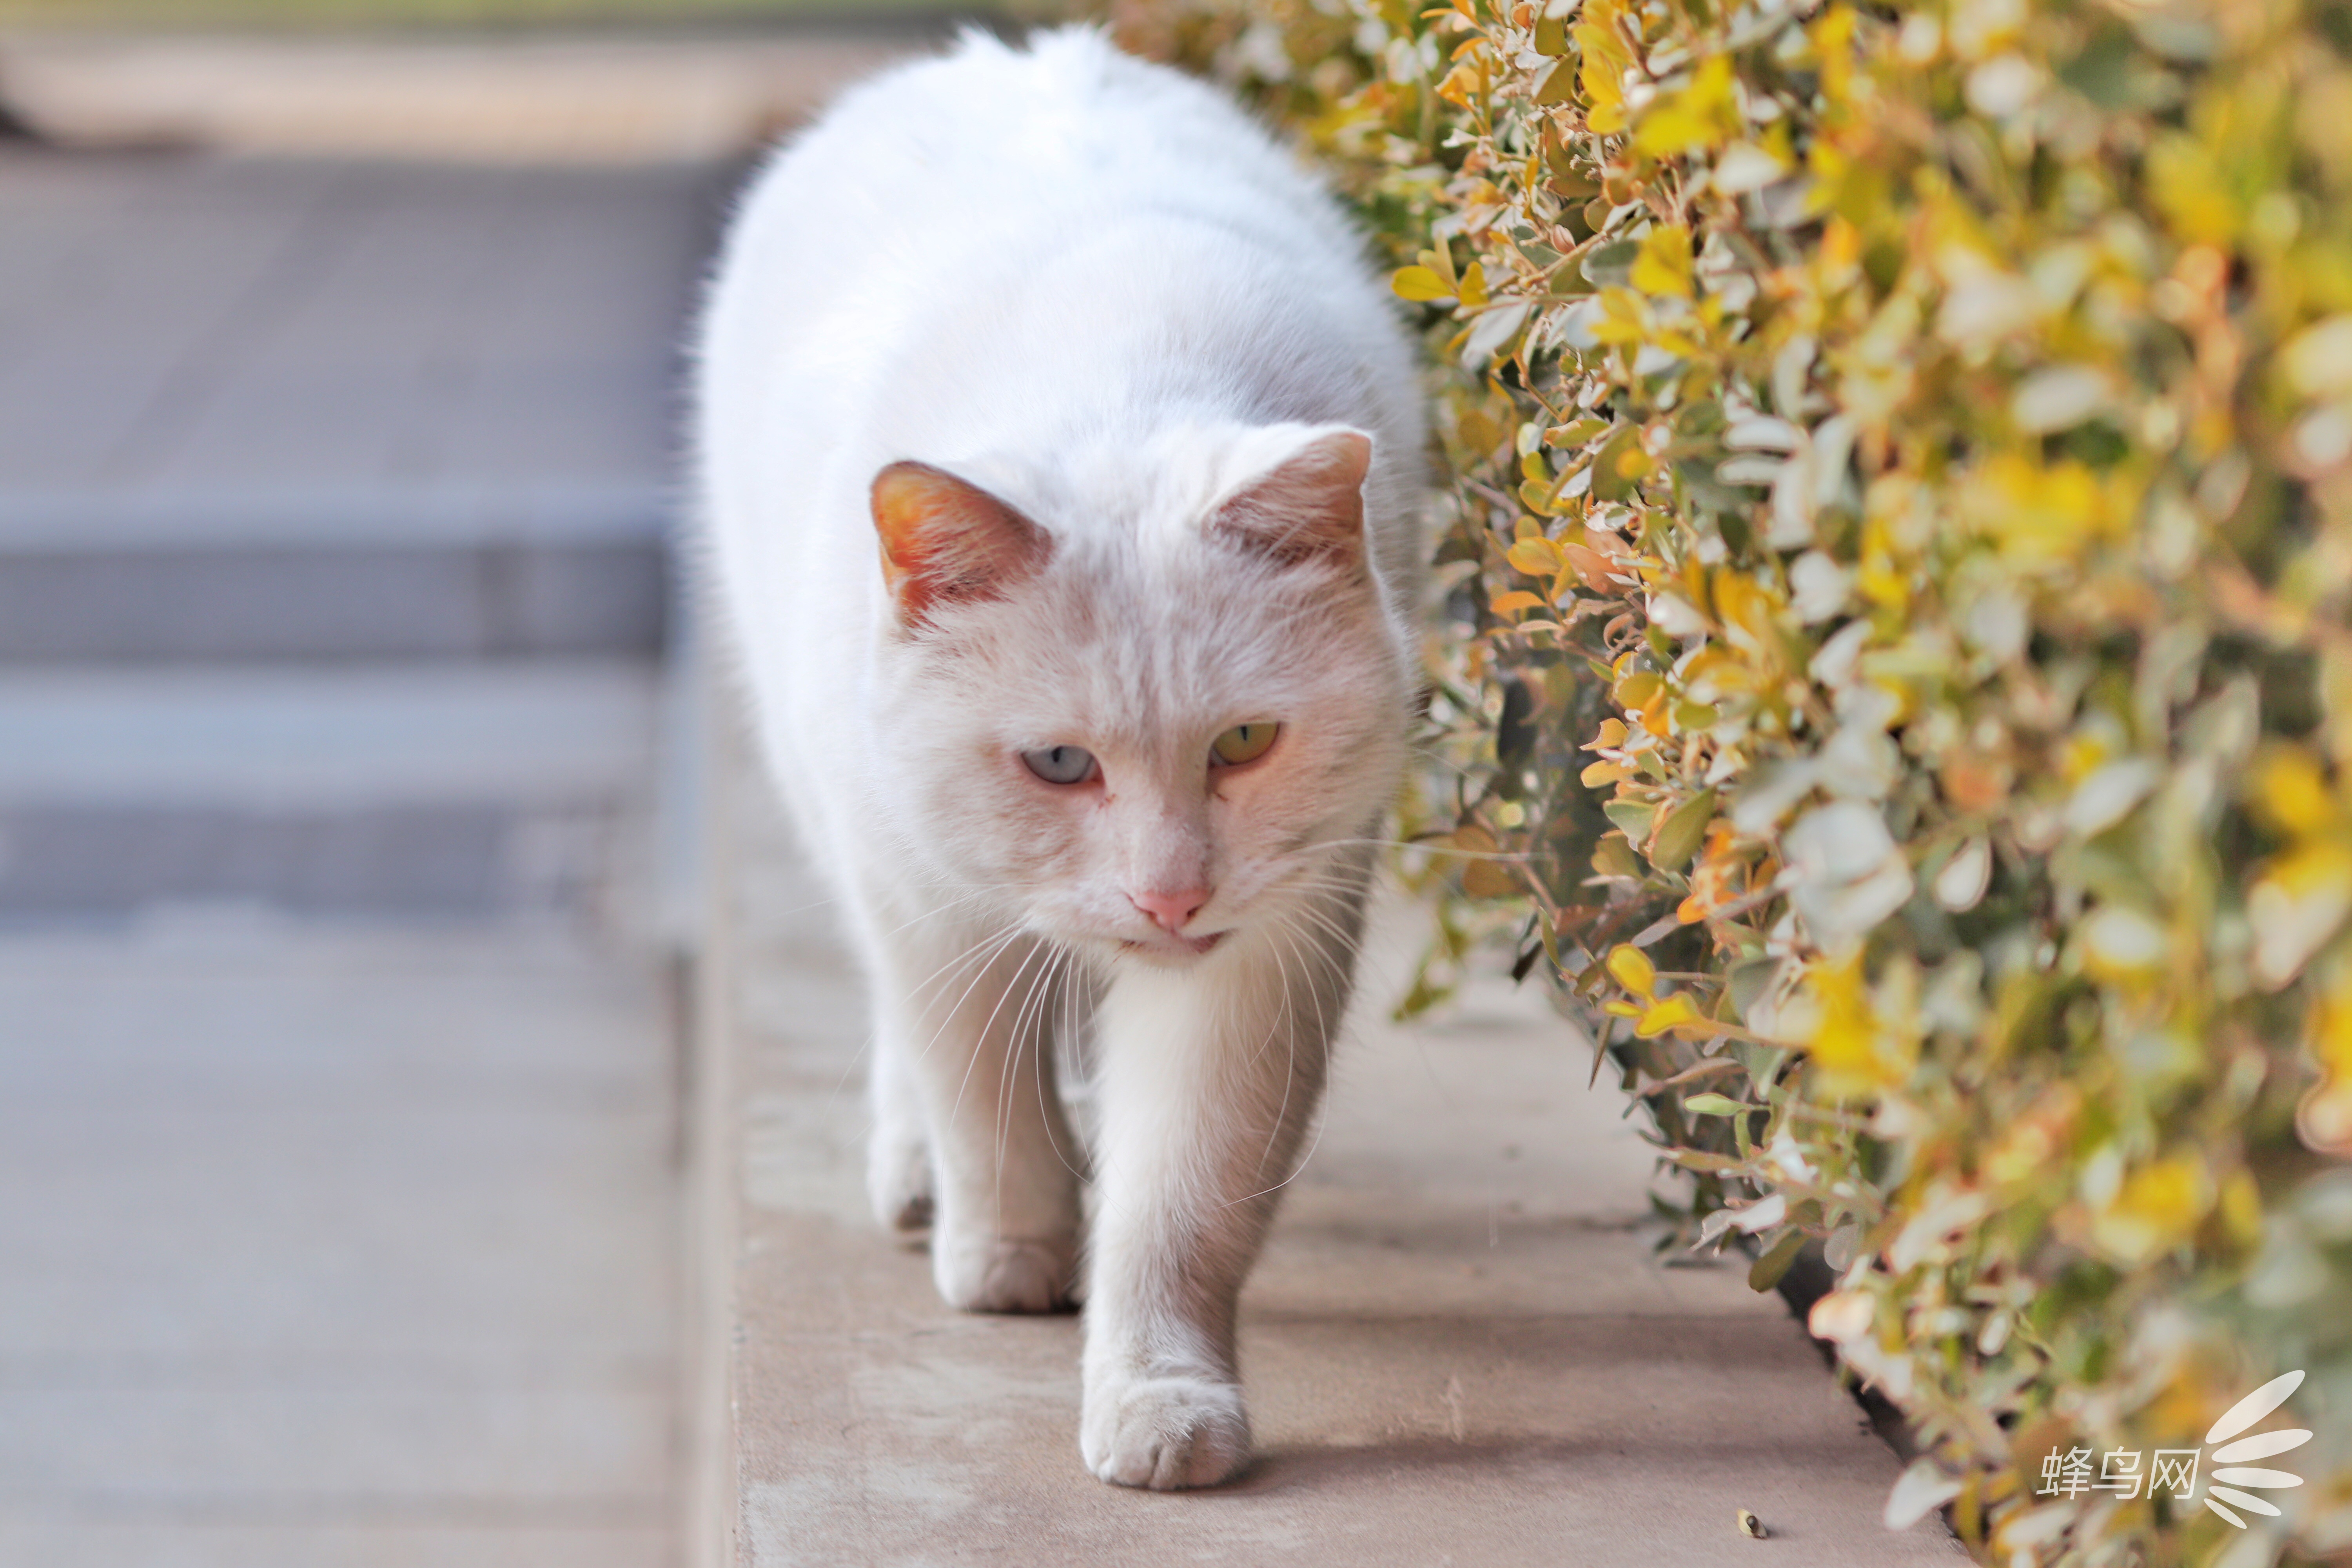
1061,460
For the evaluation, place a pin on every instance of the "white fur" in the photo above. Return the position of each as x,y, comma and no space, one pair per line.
1094,288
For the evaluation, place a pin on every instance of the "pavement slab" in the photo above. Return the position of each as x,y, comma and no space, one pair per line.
335,1245
1459,1348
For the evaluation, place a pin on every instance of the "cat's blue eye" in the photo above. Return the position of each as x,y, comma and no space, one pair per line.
1061,764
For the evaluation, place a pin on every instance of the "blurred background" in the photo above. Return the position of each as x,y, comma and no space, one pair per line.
346,762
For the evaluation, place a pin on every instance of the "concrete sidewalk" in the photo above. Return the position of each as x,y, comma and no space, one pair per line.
1459,1348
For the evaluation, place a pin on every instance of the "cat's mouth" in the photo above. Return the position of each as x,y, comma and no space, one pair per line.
1173,946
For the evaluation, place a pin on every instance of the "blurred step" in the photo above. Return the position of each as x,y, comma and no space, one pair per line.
339,594
254,409
466,791
617,96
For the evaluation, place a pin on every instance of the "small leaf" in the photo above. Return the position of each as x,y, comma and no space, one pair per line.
1673,1011
1516,599
1632,968
1488,879
1610,266
1632,818
1921,1489
1699,1159
1419,283
1663,266
1614,857
1637,689
1538,557
1716,1105
1681,832
1768,1270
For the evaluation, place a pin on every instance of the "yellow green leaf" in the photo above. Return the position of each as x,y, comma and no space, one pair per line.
1663,266
2158,1206
1680,835
1675,1009
1632,968
1635,691
1538,557
1702,116
2291,792
1419,284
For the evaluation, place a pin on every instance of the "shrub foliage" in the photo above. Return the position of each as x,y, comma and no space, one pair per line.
1895,673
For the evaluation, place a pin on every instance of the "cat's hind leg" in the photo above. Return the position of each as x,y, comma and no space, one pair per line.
968,1022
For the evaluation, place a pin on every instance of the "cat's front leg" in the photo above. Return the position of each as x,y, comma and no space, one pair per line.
964,1023
1209,1078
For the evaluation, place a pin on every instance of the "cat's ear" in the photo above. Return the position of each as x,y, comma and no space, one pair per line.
945,541
1308,508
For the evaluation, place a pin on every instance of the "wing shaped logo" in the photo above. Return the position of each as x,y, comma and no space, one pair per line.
2232,1466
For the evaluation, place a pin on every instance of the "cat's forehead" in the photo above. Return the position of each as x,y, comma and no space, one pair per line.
1118,644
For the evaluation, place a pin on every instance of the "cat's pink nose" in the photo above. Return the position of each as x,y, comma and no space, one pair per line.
1169,911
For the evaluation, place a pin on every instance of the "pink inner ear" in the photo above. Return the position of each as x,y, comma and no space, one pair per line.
947,541
1310,508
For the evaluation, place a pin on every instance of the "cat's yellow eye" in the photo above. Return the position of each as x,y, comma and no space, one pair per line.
1243,744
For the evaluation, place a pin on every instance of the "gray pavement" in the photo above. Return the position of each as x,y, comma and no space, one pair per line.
339,1113
327,1247
1459,1347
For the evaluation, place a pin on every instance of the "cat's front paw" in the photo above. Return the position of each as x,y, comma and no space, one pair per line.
1165,1433
1000,1274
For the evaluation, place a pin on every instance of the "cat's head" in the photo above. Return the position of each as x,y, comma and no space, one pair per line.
1156,705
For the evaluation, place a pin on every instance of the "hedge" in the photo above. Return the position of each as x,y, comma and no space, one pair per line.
1895,681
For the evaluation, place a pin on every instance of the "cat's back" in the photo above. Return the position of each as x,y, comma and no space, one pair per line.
991,138
947,187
